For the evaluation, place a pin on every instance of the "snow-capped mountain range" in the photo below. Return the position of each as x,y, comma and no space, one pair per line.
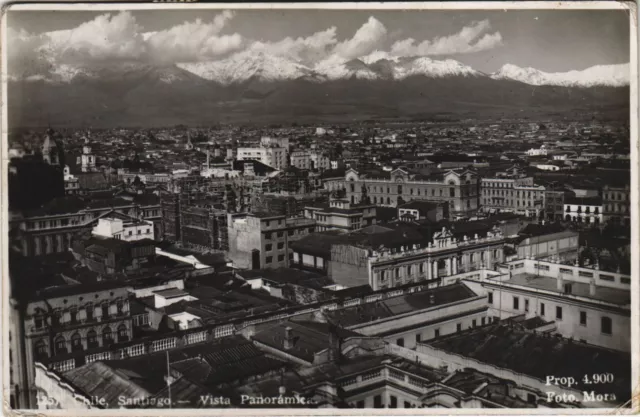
246,66
616,75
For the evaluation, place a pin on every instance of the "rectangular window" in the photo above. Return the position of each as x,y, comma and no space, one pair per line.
280,258
458,327
418,338
407,404
566,271
473,323
290,232
585,274
558,312
516,303
268,247
393,401
606,325
400,342
280,245
526,304
607,277
542,309
436,333
482,321
269,259
490,297
583,318
280,234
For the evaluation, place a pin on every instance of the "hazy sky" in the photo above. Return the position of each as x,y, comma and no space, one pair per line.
486,40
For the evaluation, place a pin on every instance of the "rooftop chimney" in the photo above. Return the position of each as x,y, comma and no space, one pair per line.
288,338
592,287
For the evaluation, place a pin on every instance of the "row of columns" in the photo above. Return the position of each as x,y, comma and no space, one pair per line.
46,244
452,264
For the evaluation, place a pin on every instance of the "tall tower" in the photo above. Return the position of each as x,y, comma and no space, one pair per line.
50,150
189,145
88,159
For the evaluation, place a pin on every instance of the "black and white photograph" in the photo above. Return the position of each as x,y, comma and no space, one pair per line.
322,207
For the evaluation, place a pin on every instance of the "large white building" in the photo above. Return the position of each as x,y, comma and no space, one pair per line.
124,229
583,210
538,152
275,157
588,305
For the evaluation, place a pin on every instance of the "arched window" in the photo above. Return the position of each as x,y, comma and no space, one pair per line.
76,342
61,345
92,339
41,349
107,338
123,333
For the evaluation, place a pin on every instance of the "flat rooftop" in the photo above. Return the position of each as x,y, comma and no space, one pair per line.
609,295
171,293
402,304
541,354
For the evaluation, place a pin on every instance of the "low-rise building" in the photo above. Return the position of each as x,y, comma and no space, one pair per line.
583,210
423,210
547,242
123,228
585,304
341,214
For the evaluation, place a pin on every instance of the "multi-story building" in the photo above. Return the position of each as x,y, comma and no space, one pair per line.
278,142
616,205
320,161
123,228
273,156
585,304
51,229
261,240
515,194
583,210
301,160
71,184
55,323
445,256
386,255
341,214
458,188
554,204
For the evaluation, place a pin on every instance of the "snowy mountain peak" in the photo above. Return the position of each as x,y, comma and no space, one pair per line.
616,75
243,66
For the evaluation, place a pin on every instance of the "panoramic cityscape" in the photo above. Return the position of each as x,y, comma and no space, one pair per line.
318,209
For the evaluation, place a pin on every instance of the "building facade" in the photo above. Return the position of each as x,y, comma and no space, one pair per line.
616,205
445,256
458,188
341,214
42,234
258,241
275,157
124,229
584,304
66,321
583,210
